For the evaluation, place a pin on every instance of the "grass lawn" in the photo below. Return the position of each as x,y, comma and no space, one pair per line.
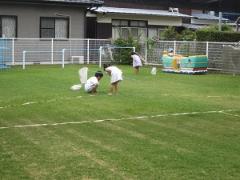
167,126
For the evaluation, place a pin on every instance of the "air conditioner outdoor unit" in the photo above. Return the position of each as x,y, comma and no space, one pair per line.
173,10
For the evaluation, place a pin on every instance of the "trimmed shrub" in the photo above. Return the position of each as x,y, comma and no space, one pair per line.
203,35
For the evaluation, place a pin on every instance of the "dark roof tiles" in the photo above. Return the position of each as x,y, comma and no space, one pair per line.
78,1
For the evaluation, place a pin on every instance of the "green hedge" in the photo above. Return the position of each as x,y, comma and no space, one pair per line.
217,36
123,56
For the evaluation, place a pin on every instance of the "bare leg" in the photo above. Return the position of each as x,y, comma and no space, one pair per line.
116,88
136,70
94,90
111,89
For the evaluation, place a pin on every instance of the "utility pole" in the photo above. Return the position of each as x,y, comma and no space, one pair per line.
220,22
220,16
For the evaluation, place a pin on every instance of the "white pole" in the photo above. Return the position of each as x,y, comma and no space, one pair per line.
13,51
88,51
220,22
207,48
134,49
52,52
24,59
100,57
174,47
146,52
63,56
70,44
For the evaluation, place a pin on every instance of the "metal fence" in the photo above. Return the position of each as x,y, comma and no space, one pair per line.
231,59
50,51
53,51
5,53
214,51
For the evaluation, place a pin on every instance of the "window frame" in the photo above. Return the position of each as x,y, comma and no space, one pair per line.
129,23
129,27
138,22
120,20
54,28
16,23
159,29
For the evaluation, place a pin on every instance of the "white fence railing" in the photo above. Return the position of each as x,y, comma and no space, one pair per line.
26,51
50,51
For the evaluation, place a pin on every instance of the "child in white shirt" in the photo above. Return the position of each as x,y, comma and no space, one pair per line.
116,77
137,62
93,82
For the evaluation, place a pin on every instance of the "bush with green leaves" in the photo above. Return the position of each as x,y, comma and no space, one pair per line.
169,33
215,28
217,36
211,33
123,56
188,35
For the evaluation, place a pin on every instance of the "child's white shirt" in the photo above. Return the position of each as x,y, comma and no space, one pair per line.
116,74
91,83
136,61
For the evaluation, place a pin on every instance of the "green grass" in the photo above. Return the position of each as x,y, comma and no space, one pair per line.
192,146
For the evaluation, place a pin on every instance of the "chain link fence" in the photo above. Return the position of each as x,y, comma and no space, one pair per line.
214,51
50,51
231,59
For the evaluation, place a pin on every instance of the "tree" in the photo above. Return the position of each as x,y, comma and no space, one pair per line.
188,35
169,33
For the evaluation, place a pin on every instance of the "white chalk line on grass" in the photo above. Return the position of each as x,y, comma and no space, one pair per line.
28,103
119,119
40,102
235,115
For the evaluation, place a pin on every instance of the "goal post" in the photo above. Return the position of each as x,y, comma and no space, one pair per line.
38,57
113,54
103,54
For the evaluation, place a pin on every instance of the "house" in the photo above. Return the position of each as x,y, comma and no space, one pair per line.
123,19
234,19
44,18
200,18
208,18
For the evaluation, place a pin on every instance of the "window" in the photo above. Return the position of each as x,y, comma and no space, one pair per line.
155,32
125,33
160,31
138,23
8,26
129,28
120,23
134,32
54,27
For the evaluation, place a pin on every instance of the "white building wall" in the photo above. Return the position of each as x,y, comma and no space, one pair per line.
165,21
152,20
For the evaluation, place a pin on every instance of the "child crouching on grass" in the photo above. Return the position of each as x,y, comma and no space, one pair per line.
116,77
93,82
